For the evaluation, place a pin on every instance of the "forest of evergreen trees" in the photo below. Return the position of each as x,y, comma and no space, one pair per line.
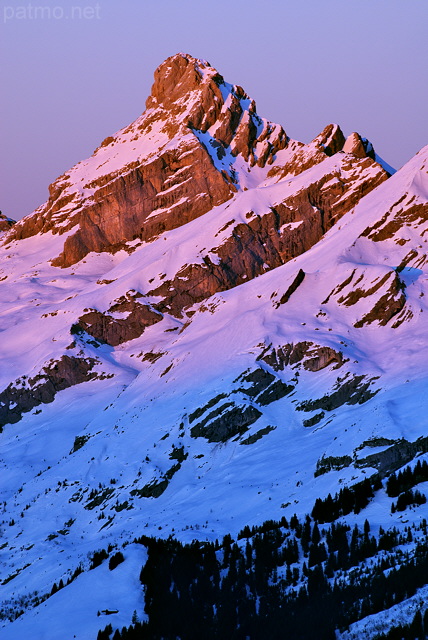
348,500
407,479
417,629
284,580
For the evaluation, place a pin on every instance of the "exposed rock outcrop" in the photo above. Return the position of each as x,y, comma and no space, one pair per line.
263,387
386,457
304,156
388,291
330,140
175,188
225,422
352,390
297,281
215,103
25,394
107,328
354,145
332,463
173,180
394,456
5,223
313,357
157,486
358,146
388,305
321,357
175,163
407,211
258,435
265,242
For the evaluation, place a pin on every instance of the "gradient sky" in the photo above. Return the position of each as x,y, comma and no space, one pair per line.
67,83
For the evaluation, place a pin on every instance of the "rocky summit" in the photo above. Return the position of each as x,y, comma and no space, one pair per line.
213,383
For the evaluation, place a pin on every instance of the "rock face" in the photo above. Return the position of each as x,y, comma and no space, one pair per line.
175,177
389,305
395,456
355,390
112,330
330,140
386,292
263,387
24,395
199,141
5,223
405,212
358,146
137,204
304,156
354,145
230,362
313,357
225,422
266,242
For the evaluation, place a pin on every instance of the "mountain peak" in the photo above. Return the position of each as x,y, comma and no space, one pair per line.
360,147
199,142
330,140
237,331
196,95
178,76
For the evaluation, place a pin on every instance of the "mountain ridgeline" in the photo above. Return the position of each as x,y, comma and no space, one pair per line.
212,383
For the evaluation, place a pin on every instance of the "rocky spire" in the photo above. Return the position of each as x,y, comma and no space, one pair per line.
178,76
330,140
196,95
358,146
199,141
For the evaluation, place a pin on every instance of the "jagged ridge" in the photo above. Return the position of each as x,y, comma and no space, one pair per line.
253,357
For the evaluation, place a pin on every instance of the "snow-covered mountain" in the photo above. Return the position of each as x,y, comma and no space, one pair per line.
207,326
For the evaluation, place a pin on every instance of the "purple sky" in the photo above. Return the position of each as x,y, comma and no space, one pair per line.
71,79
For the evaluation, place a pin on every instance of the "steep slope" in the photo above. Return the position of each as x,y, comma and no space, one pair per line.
199,141
248,351
158,173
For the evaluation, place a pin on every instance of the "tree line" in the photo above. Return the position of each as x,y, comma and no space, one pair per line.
287,580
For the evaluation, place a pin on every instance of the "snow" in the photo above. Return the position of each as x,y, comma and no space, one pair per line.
399,614
73,612
125,417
